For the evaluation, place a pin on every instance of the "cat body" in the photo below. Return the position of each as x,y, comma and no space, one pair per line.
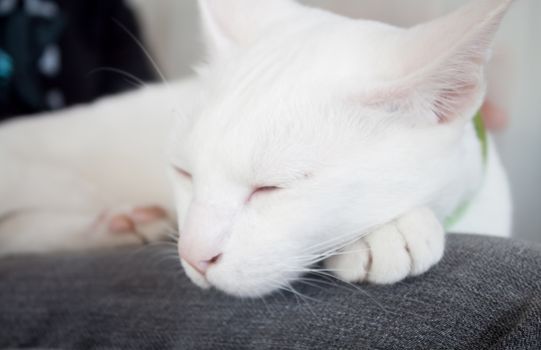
83,162
294,144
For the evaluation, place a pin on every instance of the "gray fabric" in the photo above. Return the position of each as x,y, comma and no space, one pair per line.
486,294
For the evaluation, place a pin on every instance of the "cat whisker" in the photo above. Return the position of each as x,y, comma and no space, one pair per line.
336,282
313,282
150,58
134,79
335,243
132,83
164,244
143,49
162,249
304,298
341,240
338,253
312,270
265,303
173,236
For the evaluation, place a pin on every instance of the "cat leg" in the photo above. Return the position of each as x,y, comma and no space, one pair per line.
43,231
46,208
149,223
408,246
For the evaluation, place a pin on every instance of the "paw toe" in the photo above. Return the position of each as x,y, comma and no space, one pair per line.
351,263
425,240
390,259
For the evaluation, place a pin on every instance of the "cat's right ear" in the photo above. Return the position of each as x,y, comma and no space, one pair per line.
442,65
232,24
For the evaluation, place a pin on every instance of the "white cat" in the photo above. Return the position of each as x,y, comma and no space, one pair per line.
306,133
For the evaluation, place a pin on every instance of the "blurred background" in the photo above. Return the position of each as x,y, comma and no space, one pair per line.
56,53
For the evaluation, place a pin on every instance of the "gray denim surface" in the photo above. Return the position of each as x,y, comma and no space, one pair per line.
485,294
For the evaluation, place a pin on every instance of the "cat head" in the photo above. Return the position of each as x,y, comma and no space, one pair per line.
308,129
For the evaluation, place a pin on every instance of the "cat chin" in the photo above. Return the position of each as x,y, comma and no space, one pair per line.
223,281
198,279
250,291
240,281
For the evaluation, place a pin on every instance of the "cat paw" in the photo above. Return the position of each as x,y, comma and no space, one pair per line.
136,225
408,246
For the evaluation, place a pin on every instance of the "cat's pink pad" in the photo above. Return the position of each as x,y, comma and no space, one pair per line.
144,215
121,224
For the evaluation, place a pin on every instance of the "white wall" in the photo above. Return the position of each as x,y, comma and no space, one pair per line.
172,34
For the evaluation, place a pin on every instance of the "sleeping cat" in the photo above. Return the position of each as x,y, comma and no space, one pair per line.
305,137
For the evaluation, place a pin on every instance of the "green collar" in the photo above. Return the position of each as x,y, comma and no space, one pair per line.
481,132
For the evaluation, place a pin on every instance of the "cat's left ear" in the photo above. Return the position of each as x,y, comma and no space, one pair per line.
231,24
443,65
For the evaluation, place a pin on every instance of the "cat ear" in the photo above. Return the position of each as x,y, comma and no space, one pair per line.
443,63
229,24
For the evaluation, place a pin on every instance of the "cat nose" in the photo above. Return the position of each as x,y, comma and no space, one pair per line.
201,265
204,234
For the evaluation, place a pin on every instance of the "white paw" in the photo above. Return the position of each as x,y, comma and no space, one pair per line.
408,246
134,225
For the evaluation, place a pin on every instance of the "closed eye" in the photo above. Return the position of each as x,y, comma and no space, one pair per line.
266,189
183,173
263,190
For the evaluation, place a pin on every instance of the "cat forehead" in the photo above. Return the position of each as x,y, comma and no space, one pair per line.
308,56
289,75
256,139
286,94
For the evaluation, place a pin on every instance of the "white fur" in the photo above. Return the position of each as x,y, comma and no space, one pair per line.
359,124
408,246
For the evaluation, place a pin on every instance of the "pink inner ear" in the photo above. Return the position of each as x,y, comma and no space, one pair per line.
448,98
451,103
441,65
387,97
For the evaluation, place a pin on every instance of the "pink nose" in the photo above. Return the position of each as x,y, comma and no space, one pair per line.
204,235
200,265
